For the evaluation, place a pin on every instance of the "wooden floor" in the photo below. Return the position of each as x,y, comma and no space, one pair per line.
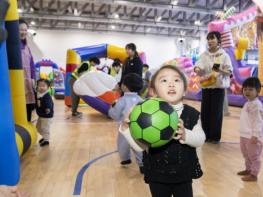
52,171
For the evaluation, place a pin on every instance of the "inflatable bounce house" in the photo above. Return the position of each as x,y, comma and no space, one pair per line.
238,38
95,87
16,134
47,69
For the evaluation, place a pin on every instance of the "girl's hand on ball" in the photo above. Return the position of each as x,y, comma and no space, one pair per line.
124,126
180,131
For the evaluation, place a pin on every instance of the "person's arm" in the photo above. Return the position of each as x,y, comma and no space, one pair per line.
227,67
255,118
194,138
116,111
138,67
123,71
48,104
199,66
32,67
11,191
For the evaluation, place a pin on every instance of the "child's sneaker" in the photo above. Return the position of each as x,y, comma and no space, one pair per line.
243,173
77,113
126,162
40,141
250,178
44,143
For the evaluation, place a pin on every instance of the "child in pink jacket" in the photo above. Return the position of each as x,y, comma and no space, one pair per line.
251,129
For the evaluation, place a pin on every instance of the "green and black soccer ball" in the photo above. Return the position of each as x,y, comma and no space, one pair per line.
153,122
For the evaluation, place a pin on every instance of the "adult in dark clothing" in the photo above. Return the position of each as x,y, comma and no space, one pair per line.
133,63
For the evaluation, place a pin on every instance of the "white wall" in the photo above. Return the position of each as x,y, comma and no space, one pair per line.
53,44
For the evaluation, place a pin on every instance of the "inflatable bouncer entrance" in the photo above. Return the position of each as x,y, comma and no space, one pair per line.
95,88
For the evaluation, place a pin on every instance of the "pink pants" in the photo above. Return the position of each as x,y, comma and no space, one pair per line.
251,153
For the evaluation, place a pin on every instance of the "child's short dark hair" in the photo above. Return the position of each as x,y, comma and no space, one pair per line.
95,60
22,21
133,82
47,82
145,65
116,63
176,69
252,82
214,34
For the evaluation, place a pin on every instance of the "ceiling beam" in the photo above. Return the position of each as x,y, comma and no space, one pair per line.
109,20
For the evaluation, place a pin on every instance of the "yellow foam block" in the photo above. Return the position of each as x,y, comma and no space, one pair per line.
18,96
239,54
32,130
12,13
116,52
19,143
73,57
243,43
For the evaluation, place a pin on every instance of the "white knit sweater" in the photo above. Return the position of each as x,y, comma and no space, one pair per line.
251,119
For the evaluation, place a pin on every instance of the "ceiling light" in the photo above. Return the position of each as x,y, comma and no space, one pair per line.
32,22
174,2
182,32
113,27
80,25
116,16
197,22
75,12
159,18
19,10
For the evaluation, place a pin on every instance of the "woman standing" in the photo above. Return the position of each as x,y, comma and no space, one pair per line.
133,63
213,64
29,69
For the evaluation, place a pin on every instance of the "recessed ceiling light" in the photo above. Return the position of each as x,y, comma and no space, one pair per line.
198,22
159,18
174,2
20,10
116,16
80,25
148,29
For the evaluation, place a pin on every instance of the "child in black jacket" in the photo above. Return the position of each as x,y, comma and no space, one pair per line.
169,169
44,109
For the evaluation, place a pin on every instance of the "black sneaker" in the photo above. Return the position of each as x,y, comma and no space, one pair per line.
215,142
77,113
141,170
44,143
127,162
40,141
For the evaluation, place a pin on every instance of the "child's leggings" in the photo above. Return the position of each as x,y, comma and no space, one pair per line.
251,153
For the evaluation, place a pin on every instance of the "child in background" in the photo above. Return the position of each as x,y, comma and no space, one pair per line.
44,109
251,129
169,169
131,86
